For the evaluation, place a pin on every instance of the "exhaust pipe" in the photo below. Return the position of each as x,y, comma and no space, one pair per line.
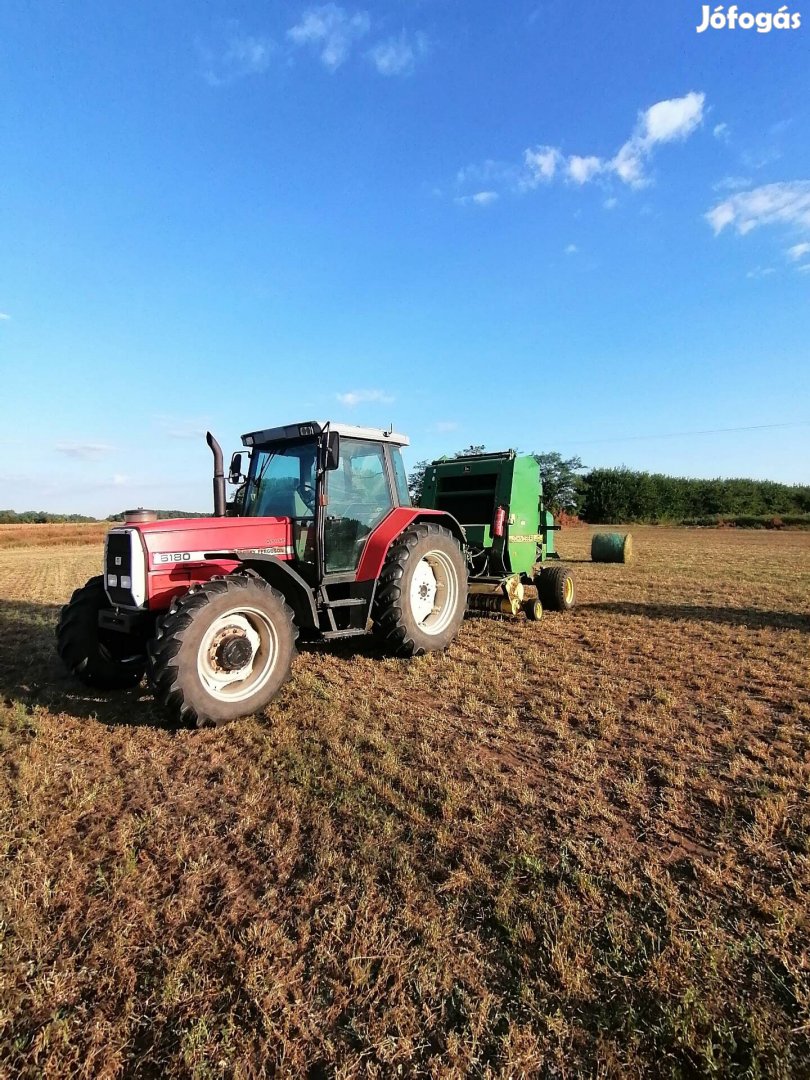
219,476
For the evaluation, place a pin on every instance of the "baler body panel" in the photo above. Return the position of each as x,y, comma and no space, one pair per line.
473,488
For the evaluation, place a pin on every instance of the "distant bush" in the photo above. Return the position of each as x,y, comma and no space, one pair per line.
164,514
41,517
750,521
609,496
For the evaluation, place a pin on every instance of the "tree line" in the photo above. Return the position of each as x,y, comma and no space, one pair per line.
41,517
44,517
604,496
607,496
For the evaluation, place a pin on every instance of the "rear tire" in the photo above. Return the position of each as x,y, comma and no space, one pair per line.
556,588
422,592
222,651
102,659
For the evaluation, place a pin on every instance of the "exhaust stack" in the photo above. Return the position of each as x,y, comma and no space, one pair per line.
219,476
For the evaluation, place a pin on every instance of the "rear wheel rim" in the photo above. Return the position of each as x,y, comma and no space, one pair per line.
434,592
245,624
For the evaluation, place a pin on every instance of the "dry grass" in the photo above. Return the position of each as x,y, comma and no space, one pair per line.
578,847
27,536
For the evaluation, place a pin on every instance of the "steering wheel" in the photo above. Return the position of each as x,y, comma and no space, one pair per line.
307,493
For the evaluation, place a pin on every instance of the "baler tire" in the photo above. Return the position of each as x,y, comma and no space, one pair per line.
103,661
533,609
179,663
556,588
394,622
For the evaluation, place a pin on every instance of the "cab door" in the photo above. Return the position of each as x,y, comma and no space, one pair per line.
359,496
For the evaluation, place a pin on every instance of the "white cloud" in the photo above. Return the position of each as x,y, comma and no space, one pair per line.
583,169
804,268
571,249
480,198
628,164
721,132
119,480
84,451
760,272
786,203
398,55
331,31
666,121
360,397
443,426
183,427
675,118
731,183
798,251
4,317
611,203
671,120
240,55
487,174
541,164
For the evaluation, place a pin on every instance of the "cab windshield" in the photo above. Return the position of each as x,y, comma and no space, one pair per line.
282,482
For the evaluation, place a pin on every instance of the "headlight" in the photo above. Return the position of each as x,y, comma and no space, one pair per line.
112,581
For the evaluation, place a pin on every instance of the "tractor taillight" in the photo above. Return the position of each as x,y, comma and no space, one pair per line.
499,521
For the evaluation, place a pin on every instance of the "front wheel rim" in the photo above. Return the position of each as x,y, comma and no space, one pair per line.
249,627
434,592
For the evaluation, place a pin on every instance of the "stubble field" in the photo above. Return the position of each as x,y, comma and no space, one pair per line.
571,848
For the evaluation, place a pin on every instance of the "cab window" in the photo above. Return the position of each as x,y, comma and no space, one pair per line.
400,477
359,497
283,483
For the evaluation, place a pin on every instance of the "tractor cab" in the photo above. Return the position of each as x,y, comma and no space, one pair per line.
334,482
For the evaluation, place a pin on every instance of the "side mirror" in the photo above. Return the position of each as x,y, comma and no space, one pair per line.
235,471
333,451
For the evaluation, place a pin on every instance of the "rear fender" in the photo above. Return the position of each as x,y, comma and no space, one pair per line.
289,582
378,544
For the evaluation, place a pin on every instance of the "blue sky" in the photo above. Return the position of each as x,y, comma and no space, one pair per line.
555,225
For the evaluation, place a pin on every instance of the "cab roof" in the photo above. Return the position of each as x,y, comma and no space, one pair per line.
314,427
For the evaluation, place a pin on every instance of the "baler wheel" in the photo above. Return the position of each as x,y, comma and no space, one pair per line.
223,650
556,588
533,610
421,592
105,660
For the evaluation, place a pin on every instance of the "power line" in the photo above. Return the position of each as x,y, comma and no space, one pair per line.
685,434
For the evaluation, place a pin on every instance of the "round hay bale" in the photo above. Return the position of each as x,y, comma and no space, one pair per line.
612,547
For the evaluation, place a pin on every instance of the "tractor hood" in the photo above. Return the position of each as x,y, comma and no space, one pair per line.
184,540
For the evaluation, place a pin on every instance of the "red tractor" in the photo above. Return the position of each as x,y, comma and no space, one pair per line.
325,541
322,542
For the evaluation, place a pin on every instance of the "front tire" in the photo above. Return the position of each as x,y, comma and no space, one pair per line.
102,659
422,592
222,651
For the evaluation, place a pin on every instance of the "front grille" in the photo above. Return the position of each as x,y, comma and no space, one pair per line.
118,564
